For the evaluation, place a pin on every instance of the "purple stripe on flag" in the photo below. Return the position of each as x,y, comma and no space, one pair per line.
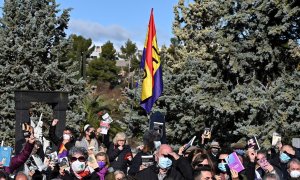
63,154
157,90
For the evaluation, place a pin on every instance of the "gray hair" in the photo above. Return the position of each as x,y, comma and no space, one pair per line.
294,160
119,172
78,150
272,176
119,136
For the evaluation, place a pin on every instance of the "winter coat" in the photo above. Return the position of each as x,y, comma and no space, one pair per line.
71,176
180,170
58,141
20,159
136,163
119,158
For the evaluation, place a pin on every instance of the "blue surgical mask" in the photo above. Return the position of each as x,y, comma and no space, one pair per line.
164,162
284,157
222,167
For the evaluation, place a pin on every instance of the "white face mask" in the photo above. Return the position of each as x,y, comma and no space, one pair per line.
295,174
157,144
66,137
78,166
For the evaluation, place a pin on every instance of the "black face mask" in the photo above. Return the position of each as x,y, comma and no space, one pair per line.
92,135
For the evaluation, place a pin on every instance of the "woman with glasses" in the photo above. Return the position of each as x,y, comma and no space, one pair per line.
78,166
119,153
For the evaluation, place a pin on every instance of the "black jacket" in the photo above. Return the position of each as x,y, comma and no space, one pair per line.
180,170
58,141
136,163
117,157
71,176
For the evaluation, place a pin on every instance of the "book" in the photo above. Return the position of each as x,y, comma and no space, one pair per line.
147,160
234,162
5,155
106,117
253,143
296,142
104,127
275,138
189,144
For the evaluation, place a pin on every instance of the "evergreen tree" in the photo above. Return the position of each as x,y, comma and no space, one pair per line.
104,69
33,51
234,67
81,49
108,52
129,53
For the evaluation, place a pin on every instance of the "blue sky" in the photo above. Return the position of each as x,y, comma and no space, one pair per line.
119,20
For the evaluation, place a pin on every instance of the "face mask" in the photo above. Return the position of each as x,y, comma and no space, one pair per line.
66,136
284,157
157,144
101,164
92,135
295,174
222,167
78,166
164,162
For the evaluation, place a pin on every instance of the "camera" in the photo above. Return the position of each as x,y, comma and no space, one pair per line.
27,130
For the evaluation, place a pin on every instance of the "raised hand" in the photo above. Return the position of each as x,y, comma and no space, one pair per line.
54,122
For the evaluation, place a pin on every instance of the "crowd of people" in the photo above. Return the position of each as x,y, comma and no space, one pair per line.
94,156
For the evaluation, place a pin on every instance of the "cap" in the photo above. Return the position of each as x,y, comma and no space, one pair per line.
86,127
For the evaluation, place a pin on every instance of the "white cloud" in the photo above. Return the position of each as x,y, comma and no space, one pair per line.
98,32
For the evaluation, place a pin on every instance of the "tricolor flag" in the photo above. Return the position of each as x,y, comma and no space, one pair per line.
152,86
63,152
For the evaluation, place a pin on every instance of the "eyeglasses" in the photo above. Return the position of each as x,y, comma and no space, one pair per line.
262,160
81,159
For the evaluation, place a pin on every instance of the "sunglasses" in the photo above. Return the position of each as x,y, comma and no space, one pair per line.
221,161
81,159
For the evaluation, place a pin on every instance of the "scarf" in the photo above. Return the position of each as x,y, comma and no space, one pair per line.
102,173
82,174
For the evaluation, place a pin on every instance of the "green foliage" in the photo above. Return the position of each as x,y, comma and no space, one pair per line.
103,70
81,49
233,65
33,51
105,101
108,52
129,52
